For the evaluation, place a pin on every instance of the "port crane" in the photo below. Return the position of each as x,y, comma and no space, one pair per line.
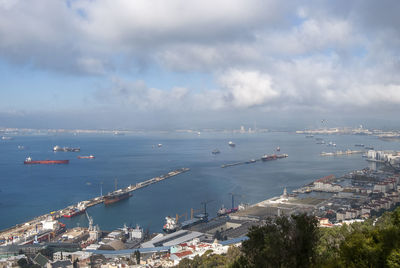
180,216
193,211
204,203
90,220
233,198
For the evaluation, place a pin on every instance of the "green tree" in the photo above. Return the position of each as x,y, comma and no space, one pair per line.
186,263
217,235
206,260
393,260
359,250
283,242
232,255
22,262
137,256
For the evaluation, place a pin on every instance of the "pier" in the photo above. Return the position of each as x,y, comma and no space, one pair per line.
265,158
22,228
240,163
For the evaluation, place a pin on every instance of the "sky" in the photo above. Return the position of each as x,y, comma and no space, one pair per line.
155,64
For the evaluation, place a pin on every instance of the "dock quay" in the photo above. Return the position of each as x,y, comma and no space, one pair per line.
337,153
23,228
240,163
252,161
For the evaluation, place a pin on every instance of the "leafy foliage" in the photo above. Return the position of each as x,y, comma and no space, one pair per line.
212,260
368,244
204,261
283,242
296,241
23,263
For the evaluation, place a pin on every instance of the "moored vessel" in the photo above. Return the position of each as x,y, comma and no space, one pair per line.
29,161
116,196
269,157
224,211
170,225
79,209
266,157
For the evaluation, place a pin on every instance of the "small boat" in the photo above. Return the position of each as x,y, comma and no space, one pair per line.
216,151
86,157
231,143
278,149
159,145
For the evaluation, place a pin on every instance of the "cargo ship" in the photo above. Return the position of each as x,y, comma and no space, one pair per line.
79,209
224,211
86,157
29,161
273,157
116,196
66,149
44,231
269,157
199,218
171,225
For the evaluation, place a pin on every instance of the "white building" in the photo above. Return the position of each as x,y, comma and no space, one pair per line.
195,248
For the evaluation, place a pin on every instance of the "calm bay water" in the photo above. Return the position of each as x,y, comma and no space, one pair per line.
27,191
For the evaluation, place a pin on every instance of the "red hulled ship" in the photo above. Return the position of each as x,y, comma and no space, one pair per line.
30,161
79,209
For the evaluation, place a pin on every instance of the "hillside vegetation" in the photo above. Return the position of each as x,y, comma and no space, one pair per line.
296,241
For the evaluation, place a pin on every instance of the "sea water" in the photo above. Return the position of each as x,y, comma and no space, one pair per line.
27,191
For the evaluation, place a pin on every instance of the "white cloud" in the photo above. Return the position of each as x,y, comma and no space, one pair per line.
262,54
7,4
247,88
138,96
